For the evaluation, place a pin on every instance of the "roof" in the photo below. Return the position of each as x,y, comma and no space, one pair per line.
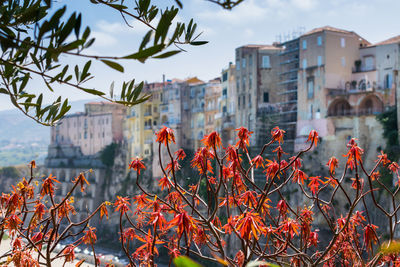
101,103
261,47
333,29
327,28
193,80
392,40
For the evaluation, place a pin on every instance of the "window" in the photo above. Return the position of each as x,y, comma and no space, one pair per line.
250,80
342,42
237,84
243,63
310,87
224,76
343,62
238,102
249,100
304,63
224,109
388,81
310,115
266,97
244,101
250,60
319,61
304,44
224,91
244,83
369,63
237,65
266,62
319,40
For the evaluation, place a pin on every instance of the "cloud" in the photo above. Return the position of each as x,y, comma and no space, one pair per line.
103,39
304,4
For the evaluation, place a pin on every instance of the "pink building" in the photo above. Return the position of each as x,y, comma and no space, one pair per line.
92,130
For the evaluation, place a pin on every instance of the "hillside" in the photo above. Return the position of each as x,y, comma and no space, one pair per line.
22,139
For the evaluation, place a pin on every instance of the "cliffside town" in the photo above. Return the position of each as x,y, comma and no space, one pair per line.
328,79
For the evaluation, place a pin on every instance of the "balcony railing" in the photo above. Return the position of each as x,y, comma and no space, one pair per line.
352,112
342,92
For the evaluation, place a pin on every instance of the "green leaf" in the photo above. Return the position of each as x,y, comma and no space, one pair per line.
3,91
145,53
184,261
168,54
93,91
113,65
198,42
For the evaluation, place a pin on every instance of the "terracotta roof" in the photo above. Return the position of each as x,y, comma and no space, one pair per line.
326,28
193,80
392,40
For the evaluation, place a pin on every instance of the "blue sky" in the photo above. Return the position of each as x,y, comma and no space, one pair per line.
254,21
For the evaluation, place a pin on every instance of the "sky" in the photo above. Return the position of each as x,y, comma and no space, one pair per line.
252,22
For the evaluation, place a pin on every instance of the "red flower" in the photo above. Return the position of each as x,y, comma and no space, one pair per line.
82,181
90,236
69,253
48,185
201,160
272,167
180,154
249,224
122,204
277,135
370,235
184,222
354,154
299,176
282,207
137,165
243,136
164,182
314,184
165,135
212,140
313,137
332,164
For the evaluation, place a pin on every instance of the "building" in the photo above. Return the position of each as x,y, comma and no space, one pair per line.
256,88
92,130
343,83
225,119
213,93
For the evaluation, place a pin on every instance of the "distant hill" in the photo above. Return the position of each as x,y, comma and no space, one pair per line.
16,127
23,140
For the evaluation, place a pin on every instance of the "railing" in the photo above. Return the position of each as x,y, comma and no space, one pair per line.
351,112
337,92
362,69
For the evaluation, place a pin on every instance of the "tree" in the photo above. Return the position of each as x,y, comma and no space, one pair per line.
259,218
34,36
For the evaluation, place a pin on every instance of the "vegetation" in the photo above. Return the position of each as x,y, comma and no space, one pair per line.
259,225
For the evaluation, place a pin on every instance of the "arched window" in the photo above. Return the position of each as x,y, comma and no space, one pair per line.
339,108
362,85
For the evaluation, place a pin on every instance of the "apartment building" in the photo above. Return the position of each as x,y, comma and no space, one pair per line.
213,93
225,119
343,83
92,130
256,87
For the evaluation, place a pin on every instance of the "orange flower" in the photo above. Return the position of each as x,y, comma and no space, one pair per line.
354,154
282,207
81,180
249,224
243,136
314,184
299,176
258,161
40,210
212,140
164,182
277,135
90,236
69,253
184,222
272,167
370,235
313,137
12,222
180,154
137,165
201,160
103,211
48,185
332,164
165,135
290,227
122,204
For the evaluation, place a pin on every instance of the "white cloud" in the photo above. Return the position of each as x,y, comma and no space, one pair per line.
103,39
305,4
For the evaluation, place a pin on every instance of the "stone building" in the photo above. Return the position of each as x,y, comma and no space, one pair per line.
256,87
92,130
341,89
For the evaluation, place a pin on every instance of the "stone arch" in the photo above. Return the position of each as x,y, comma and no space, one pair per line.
339,107
369,105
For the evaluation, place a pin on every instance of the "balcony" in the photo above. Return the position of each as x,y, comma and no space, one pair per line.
344,92
147,113
363,69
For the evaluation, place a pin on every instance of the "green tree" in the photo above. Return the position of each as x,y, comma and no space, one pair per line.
34,34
